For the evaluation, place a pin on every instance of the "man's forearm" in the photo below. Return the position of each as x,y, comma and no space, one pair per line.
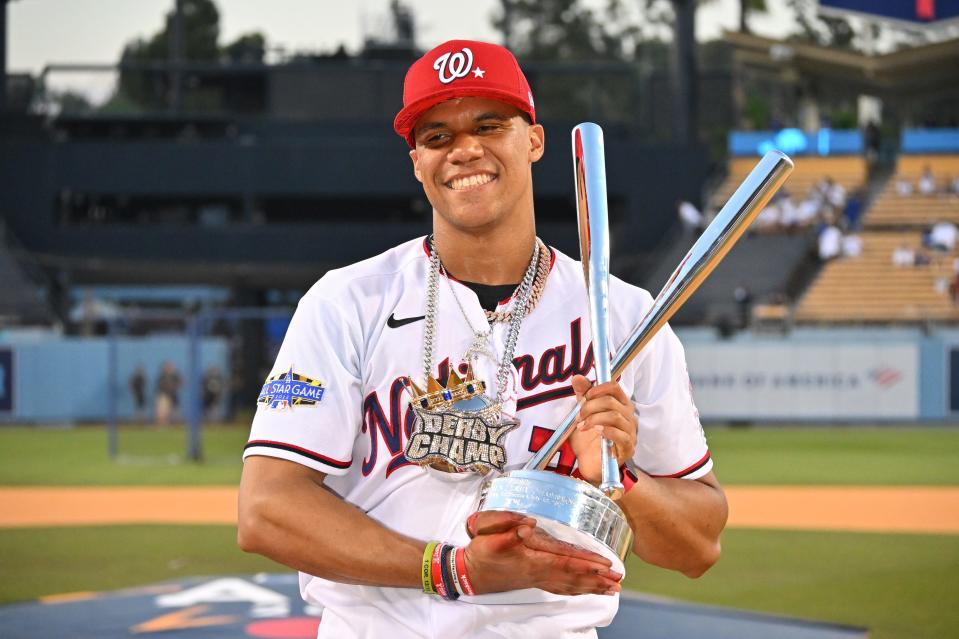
300,523
286,514
677,522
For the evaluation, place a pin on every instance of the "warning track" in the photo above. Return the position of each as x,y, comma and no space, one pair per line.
841,508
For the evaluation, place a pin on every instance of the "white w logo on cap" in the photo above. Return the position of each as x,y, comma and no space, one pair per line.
454,65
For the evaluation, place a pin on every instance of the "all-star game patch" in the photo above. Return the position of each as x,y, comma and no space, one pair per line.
290,389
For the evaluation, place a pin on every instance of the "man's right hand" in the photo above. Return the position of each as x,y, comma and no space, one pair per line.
510,553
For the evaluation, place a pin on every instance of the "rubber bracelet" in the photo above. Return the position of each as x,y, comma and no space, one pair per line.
453,576
629,478
451,593
427,570
463,576
436,570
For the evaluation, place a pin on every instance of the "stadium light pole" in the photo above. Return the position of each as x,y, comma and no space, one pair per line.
3,56
194,406
685,75
176,57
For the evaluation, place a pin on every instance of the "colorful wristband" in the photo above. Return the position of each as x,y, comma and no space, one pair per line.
427,569
451,593
629,478
462,577
454,581
437,571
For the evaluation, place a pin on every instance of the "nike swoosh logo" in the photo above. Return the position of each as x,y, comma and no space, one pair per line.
392,322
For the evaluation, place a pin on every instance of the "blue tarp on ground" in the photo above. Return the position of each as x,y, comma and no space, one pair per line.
270,606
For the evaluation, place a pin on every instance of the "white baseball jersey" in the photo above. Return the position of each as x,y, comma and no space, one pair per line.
344,411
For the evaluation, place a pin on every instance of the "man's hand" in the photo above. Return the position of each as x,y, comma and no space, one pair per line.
607,412
508,552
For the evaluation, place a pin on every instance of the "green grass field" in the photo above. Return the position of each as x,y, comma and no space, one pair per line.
783,455
900,586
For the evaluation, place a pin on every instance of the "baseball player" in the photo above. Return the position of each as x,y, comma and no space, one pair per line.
359,471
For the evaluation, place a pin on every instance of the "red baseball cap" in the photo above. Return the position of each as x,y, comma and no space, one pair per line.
459,69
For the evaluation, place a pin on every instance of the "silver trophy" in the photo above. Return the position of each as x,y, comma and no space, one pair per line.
569,509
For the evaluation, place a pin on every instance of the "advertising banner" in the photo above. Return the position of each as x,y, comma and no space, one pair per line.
916,12
796,380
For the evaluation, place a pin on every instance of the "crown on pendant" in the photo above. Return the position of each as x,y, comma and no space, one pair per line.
436,395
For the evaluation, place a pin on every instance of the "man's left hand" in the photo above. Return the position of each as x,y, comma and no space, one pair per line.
606,412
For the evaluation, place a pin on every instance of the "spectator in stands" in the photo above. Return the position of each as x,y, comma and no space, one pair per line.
943,236
808,209
788,213
852,245
138,388
853,211
830,242
927,181
769,218
835,195
903,256
167,393
690,216
952,186
903,187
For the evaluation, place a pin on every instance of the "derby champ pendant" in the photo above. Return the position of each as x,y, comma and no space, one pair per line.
457,428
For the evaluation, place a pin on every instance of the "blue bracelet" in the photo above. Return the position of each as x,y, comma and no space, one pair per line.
452,593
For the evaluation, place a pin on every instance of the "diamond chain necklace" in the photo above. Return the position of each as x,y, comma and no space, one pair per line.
519,311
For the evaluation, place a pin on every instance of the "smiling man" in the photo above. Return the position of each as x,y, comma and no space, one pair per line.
406,379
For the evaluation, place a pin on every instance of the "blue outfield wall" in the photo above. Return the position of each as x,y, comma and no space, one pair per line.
814,375
65,379
821,375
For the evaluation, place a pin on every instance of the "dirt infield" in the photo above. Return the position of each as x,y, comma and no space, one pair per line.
846,508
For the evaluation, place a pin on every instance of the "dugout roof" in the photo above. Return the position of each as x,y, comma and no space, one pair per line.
923,71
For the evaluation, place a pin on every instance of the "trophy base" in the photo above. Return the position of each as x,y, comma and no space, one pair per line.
568,509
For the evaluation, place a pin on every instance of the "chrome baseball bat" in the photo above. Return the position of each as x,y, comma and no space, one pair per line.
719,237
592,212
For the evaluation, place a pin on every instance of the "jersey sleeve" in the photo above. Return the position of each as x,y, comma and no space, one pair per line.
670,440
309,408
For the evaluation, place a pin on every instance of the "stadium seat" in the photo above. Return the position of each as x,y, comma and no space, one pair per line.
870,288
892,210
847,170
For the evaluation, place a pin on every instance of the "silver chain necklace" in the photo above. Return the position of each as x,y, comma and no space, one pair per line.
519,310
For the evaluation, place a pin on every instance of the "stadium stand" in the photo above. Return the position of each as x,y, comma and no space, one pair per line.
847,170
893,210
748,264
870,288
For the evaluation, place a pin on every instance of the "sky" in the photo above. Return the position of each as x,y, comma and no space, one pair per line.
41,32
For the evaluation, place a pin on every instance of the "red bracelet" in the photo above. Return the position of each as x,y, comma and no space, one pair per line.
454,580
461,576
628,478
437,571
